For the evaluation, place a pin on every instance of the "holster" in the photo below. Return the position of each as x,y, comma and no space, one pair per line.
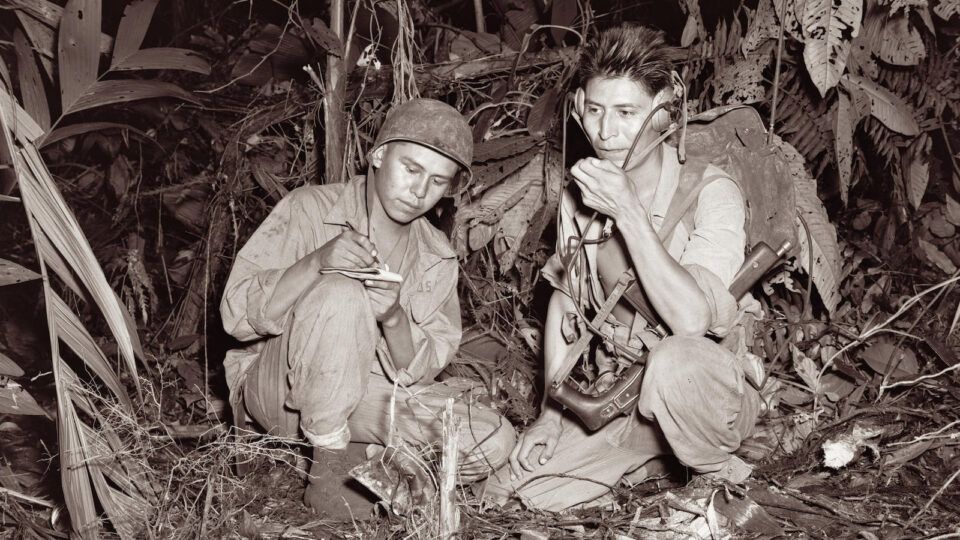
597,411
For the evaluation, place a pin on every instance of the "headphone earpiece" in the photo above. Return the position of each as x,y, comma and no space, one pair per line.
661,119
579,98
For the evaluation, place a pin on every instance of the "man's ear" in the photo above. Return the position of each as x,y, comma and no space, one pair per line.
376,157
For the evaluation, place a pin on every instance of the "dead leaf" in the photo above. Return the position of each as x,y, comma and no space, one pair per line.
952,210
323,37
806,368
543,113
15,400
563,13
883,357
939,226
747,515
906,453
840,451
937,257
120,176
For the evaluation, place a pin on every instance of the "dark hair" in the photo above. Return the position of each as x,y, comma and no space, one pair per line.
628,50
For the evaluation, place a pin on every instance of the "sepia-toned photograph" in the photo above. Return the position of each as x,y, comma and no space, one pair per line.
480,269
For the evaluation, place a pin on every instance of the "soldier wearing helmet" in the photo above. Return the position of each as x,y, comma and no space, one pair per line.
323,350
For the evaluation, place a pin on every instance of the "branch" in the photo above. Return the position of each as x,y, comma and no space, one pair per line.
378,83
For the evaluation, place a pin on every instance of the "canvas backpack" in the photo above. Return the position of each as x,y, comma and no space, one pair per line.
732,138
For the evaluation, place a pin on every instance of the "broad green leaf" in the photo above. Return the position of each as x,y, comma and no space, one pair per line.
843,133
15,400
78,49
901,44
132,29
31,84
113,92
9,368
886,106
163,58
828,27
73,130
11,273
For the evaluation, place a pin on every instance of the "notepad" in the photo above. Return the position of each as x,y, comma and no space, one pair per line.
377,274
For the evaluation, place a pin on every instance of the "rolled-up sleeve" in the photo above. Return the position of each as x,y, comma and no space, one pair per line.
257,269
555,270
716,249
435,325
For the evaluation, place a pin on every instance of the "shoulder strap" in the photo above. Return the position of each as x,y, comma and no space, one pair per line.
692,182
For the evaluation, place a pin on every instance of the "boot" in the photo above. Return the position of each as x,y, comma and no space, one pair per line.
331,493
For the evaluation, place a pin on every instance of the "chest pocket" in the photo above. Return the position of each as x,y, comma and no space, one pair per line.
427,293
422,304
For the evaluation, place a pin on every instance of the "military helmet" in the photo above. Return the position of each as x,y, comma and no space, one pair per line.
430,123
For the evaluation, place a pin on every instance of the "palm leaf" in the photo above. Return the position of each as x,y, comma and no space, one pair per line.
163,58
83,447
12,273
48,14
78,49
133,27
112,92
41,36
31,84
73,130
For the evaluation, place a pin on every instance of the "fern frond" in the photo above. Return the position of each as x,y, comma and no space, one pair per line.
804,120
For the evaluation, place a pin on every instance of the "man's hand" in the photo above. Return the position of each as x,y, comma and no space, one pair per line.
544,432
348,249
384,298
605,187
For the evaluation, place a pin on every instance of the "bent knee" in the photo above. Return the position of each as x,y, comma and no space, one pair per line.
680,360
331,292
490,451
